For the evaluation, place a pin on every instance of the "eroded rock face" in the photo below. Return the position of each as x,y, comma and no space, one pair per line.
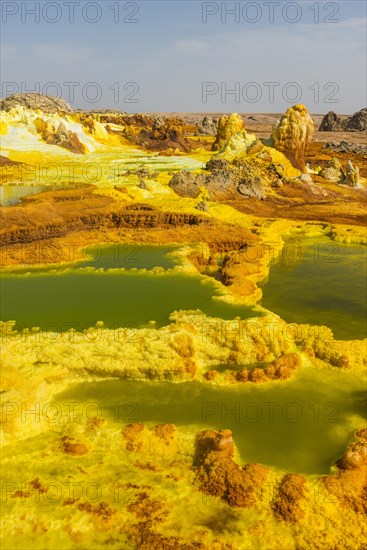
293,134
68,139
219,475
45,103
228,127
62,136
95,129
153,132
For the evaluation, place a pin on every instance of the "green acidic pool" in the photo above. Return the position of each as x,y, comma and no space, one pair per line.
320,282
302,425
58,300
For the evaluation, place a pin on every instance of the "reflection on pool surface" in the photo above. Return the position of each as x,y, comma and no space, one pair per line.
128,256
320,282
301,425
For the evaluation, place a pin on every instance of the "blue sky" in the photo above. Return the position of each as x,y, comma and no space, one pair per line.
171,60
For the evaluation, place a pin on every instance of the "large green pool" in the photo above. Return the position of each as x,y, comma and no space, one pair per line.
59,299
300,425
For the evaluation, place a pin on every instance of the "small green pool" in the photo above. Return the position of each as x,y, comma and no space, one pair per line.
320,282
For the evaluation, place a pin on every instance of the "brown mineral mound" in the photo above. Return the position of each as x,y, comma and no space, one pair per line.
219,475
293,134
153,132
349,483
45,103
62,137
291,493
4,161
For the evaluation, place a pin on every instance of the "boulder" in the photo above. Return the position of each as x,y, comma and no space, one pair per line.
332,123
358,122
208,127
185,184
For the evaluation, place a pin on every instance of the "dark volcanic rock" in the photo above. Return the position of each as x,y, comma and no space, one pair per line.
47,104
334,123
209,126
358,122
346,147
225,181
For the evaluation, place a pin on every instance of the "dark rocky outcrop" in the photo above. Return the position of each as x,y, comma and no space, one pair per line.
358,122
187,184
45,103
334,123
208,127
346,147
225,181
5,161
202,206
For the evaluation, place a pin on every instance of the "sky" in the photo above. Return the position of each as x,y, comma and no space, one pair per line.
189,55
